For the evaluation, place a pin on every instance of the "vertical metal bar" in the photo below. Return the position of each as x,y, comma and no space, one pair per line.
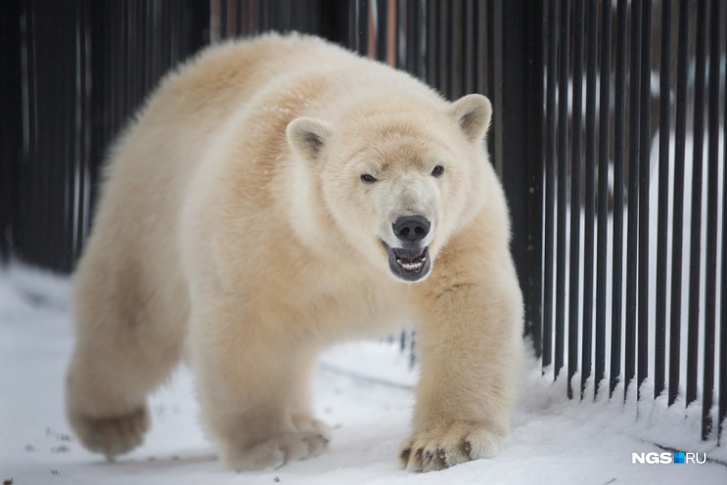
237,19
576,173
678,217
54,107
177,48
532,190
29,114
101,105
662,303
419,37
173,26
644,179
550,170
39,191
603,163
265,16
633,195
563,77
353,13
293,17
408,18
248,18
469,50
522,167
148,36
26,20
432,72
484,28
86,149
22,243
302,15
224,17
589,194
58,169
125,63
257,8
273,17
76,175
163,54
53,114
696,223
428,24
710,300
381,22
392,35
244,10
497,34
135,36
454,51
80,182
443,54
722,406
363,26
10,121
618,192
401,34
54,110
151,67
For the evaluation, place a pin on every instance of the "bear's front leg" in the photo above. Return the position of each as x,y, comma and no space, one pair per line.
252,378
470,350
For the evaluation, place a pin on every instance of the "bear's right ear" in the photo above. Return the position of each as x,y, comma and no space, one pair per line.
472,113
307,137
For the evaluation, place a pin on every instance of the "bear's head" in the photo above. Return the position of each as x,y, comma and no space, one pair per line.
398,176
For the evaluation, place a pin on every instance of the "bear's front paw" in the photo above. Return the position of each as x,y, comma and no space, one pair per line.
111,435
449,445
276,452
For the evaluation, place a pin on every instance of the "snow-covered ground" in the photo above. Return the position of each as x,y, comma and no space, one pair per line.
363,390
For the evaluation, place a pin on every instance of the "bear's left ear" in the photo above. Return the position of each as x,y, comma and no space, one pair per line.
307,137
472,113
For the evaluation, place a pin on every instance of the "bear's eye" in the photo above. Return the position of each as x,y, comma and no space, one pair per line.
367,178
438,171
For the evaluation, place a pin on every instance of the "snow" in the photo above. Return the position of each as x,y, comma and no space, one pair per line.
363,390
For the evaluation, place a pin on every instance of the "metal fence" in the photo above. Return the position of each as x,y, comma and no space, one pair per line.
634,206
72,73
602,113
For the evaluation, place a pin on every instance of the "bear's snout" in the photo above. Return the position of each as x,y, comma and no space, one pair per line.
411,230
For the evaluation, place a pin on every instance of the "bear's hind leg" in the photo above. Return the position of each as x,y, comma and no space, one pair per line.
122,353
302,414
252,377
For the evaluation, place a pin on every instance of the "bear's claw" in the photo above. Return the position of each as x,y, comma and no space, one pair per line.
457,443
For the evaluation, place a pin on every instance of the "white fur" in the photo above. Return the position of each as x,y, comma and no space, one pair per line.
233,219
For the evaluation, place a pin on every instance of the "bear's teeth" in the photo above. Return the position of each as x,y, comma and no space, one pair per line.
411,266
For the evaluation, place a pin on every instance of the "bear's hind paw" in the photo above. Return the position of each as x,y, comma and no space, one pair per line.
276,452
114,435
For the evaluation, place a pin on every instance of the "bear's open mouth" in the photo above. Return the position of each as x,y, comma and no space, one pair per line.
409,264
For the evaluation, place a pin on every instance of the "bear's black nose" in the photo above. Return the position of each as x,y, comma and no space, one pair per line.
411,229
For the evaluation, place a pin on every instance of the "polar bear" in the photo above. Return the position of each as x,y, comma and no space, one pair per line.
273,197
